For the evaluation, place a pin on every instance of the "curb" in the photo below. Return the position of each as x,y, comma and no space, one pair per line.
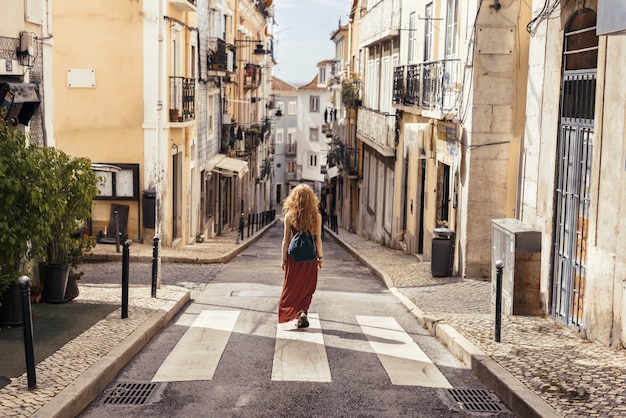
521,400
72,400
98,258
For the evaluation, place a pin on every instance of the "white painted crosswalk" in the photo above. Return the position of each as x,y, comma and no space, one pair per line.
299,354
198,352
405,363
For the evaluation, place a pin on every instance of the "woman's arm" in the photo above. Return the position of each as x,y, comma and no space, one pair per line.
318,241
286,239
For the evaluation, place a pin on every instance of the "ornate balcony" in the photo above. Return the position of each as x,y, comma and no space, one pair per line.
220,56
182,99
433,86
378,130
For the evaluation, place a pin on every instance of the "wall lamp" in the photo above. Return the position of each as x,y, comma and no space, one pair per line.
26,50
259,49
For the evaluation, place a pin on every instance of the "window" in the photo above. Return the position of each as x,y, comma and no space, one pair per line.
293,108
451,26
428,32
314,103
280,105
291,136
314,134
411,52
312,160
322,76
280,136
386,88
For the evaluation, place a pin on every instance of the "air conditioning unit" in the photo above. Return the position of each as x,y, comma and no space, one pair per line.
518,245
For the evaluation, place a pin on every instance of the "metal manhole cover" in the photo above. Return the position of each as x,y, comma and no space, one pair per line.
130,394
475,400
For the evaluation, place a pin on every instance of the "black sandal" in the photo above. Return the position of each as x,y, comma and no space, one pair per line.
303,321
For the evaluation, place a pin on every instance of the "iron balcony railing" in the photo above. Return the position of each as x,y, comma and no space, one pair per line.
291,149
182,99
432,85
217,58
290,175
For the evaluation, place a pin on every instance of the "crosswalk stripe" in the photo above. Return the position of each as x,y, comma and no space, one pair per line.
198,352
405,363
300,354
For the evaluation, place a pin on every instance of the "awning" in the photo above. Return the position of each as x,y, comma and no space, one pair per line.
228,166
19,101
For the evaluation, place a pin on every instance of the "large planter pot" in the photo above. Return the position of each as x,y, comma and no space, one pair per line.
54,280
11,306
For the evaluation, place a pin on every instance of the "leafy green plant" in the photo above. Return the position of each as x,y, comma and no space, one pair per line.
351,92
76,187
46,196
25,212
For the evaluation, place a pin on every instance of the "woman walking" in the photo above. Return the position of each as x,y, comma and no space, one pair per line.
300,280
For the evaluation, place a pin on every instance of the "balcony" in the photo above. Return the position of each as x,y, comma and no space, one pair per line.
378,130
433,86
185,5
220,57
182,99
344,158
351,161
381,22
291,149
290,175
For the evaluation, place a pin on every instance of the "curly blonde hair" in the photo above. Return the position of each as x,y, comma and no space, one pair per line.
302,207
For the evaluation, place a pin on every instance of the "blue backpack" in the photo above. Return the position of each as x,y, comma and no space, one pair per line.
302,247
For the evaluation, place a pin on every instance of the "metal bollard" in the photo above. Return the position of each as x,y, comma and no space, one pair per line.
27,324
240,235
117,232
125,269
155,266
499,269
249,219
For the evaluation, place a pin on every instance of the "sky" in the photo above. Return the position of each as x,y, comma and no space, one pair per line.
302,36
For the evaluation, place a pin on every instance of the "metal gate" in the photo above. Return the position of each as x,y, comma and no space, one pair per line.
572,220
574,157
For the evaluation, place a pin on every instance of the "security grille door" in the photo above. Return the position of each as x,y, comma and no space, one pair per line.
573,181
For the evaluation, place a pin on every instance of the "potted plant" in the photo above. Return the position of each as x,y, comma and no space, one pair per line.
79,249
26,214
75,187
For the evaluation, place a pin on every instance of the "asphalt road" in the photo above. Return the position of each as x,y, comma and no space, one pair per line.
225,356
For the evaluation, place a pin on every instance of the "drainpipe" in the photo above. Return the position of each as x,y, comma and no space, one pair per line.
158,178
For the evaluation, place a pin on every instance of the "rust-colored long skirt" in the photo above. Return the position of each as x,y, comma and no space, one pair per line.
299,285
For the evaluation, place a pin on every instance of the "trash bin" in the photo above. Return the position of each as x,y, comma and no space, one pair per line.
442,252
148,204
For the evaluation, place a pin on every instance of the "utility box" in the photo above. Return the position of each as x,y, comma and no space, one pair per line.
442,252
148,204
518,245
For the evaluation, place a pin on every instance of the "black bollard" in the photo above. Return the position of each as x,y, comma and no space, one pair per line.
125,269
155,265
27,318
249,221
499,268
117,233
241,226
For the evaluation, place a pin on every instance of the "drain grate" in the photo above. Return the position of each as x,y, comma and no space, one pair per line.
475,400
130,394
